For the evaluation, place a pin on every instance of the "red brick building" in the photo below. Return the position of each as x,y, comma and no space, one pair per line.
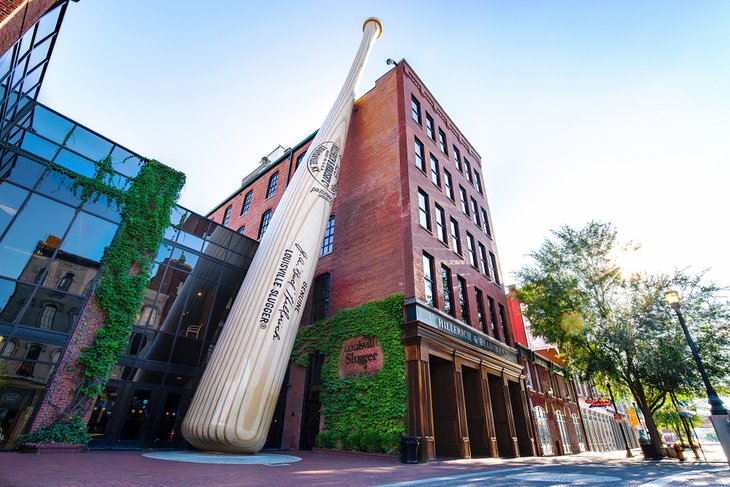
411,217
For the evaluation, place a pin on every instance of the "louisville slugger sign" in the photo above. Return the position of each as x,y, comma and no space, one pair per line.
234,403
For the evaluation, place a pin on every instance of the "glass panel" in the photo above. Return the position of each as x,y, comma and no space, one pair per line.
136,415
40,226
38,146
68,308
19,169
88,237
11,197
102,412
163,252
125,162
47,24
33,360
88,144
12,298
60,187
166,428
50,125
76,163
223,302
104,207
231,276
195,224
14,401
184,260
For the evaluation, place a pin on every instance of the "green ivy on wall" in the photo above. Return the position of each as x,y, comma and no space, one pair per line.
366,412
125,272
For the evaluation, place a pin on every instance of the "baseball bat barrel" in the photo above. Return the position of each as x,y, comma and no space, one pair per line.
234,403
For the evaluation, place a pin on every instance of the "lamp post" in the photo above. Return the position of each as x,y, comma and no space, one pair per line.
716,405
620,424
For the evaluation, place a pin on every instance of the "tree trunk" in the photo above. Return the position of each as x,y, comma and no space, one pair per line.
640,397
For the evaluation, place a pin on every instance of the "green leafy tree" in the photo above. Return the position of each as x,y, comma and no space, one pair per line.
618,327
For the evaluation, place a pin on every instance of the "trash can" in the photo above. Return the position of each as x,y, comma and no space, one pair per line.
650,453
409,449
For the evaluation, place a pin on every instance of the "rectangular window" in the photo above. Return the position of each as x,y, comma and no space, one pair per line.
464,204
448,291
463,300
329,237
420,161
457,158
467,170
415,110
246,202
441,224
471,248
435,174
480,309
429,127
442,142
424,215
227,215
321,298
448,182
493,317
487,228
475,213
538,384
483,259
429,285
505,326
495,272
478,182
455,239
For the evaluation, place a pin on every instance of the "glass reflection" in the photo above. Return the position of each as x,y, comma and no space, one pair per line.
125,162
50,125
38,228
12,297
11,197
104,207
19,169
76,163
39,146
88,237
52,310
60,187
91,145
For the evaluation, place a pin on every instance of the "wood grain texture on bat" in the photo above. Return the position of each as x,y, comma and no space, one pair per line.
234,403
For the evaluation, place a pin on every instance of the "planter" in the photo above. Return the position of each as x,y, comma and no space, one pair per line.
53,448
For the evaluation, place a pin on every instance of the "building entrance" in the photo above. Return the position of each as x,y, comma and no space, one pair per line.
501,418
475,402
443,403
521,428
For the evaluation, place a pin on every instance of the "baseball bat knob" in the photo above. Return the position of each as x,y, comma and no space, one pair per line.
377,22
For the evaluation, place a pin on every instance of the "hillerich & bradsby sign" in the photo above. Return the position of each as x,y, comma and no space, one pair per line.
360,356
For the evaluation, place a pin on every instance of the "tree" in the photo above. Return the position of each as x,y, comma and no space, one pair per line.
609,325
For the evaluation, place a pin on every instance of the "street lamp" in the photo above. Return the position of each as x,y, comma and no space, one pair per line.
716,405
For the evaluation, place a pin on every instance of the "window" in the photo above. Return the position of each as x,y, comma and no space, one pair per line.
546,441
227,215
463,301
493,317
455,239
537,378
424,217
300,159
478,182
441,224
429,127
505,326
471,248
448,291
464,205
495,273
416,110
273,180
578,432
429,285
48,314
246,202
329,237
420,163
449,185
467,170
442,142
435,175
457,158
560,417
265,219
487,229
242,229
475,213
480,309
321,297
483,259
65,283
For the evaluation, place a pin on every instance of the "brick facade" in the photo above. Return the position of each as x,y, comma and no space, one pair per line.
17,16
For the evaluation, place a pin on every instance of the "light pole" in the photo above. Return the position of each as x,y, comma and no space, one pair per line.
718,413
621,423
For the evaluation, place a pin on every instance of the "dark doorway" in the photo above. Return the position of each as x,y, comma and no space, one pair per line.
475,411
443,403
518,413
501,421
312,404
276,429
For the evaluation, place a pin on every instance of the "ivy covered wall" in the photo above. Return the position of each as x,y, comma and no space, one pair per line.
362,411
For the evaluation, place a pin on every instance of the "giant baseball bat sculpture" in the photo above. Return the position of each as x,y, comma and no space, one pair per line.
234,403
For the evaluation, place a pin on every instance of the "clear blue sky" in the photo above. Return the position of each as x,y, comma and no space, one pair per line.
611,110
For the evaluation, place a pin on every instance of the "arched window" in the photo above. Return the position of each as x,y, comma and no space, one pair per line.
321,297
300,159
47,316
227,215
265,219
246,202
543,430
560,417
65,283
242,229
273,180
148,315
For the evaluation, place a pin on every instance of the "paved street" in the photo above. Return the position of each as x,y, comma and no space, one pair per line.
131,468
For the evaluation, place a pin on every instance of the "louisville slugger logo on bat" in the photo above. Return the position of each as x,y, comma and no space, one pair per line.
234,403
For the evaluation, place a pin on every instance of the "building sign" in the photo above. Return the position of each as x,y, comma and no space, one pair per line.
360,356
633,417
617,417
598,403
